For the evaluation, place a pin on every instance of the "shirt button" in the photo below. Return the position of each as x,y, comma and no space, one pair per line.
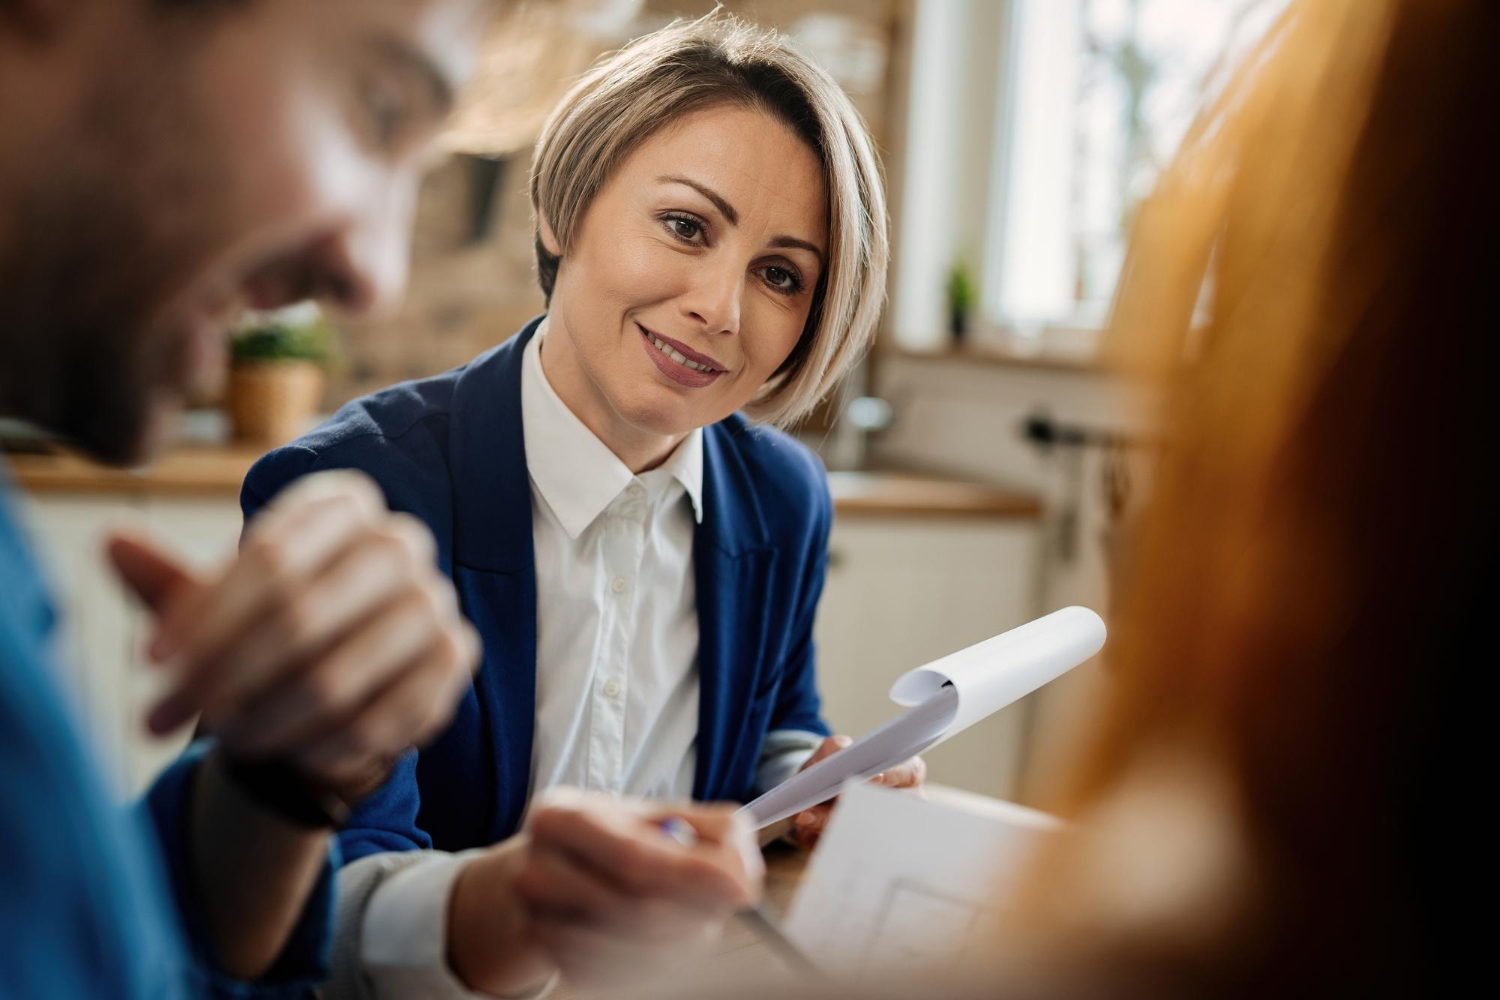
636,490
612,688
618,586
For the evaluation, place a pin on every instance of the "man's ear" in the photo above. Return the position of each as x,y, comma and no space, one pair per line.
545,234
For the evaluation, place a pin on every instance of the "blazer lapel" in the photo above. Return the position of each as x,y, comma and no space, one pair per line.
733,563
494,564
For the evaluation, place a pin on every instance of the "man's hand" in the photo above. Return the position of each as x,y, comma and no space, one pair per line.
807,825
331,640
594,887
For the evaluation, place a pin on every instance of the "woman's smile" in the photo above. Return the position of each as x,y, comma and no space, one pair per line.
679,362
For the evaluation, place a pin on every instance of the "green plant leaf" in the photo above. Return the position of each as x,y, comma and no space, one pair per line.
275,341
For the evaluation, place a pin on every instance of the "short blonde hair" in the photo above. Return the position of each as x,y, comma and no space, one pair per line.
686,67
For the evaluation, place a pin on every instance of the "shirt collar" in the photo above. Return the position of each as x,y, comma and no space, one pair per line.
686,466
576,473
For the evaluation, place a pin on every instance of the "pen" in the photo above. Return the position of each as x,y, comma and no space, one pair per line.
754,917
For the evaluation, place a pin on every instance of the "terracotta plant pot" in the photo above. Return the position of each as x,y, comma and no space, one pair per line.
271,402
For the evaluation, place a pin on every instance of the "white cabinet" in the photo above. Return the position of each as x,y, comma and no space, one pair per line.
102,631
904,590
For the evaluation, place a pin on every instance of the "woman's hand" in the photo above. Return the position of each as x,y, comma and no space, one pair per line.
596,888
807,825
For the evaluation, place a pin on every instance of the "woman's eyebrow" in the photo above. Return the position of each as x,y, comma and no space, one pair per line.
788,242
719,202
793,242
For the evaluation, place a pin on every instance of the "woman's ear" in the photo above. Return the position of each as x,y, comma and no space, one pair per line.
546,235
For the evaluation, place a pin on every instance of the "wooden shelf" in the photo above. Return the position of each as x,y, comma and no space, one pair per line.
197,471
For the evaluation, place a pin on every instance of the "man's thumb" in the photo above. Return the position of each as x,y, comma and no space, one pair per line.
153,575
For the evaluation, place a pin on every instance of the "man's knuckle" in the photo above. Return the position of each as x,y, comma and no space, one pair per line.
373,737
267,556
296,622
405,541
326,692
356,491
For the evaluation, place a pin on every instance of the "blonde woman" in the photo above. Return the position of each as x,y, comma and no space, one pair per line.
641,551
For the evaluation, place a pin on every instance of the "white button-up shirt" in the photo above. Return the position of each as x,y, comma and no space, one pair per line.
616,666
617,613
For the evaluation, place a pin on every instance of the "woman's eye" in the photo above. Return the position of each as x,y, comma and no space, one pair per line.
782,280
684,229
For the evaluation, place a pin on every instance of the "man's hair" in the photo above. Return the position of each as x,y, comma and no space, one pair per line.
199,8
687,67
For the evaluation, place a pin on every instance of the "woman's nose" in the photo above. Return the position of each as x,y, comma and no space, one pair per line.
714,298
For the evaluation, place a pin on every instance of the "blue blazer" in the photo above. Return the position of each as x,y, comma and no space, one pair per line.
449,449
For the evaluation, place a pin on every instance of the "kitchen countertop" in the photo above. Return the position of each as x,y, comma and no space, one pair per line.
217,471
208,471
900,494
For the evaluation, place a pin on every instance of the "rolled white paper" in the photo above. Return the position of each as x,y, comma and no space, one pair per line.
944,698
999,671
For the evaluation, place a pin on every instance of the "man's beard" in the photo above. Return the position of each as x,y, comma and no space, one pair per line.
113,224
78,294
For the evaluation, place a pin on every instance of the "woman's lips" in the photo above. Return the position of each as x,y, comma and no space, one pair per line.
693,378
701,360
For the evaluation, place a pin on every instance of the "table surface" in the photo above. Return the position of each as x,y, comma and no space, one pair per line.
740,948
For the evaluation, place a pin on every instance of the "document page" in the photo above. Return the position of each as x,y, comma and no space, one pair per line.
903,883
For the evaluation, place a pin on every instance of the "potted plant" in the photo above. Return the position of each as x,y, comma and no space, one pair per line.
277,373
960,301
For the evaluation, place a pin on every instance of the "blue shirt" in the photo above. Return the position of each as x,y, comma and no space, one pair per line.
97,900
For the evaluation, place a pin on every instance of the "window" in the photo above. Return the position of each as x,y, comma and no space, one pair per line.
1059,116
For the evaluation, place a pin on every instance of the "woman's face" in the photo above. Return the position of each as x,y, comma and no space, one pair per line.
707,241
